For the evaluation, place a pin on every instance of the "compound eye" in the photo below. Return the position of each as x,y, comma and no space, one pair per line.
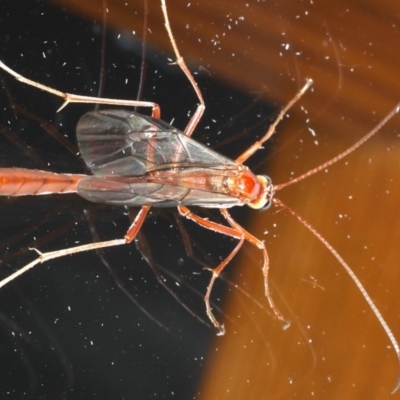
267,178
267,205
270,194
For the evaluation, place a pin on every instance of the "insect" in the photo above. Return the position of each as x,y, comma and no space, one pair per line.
141,161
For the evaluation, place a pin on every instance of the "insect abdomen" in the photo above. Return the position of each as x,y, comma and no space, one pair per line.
24,182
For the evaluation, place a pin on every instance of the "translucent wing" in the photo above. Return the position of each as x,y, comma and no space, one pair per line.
139,160
124,143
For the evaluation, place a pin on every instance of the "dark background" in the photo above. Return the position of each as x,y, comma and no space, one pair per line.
69,332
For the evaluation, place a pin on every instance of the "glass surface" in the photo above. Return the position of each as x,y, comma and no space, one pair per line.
68,331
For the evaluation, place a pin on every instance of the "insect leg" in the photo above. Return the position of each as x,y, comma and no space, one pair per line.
181,62
129,236
261,245
187,242
143,246
225,230
74,98
258,144
117,278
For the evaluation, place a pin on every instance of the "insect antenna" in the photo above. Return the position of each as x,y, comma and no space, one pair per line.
353,276
335,159
331,249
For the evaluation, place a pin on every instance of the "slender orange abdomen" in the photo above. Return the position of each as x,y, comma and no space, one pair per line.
28,182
